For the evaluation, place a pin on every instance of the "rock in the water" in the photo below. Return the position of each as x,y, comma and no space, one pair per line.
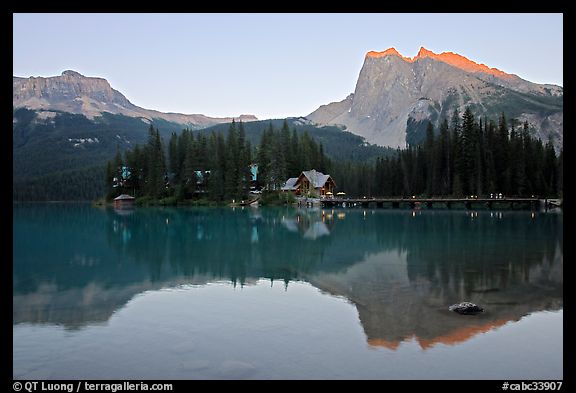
466,308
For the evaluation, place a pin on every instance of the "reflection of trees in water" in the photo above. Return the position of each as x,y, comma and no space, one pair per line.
429,257
450,249
510,268
65,245
218,243
482,253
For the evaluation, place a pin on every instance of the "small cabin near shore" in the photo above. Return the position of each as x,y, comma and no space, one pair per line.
124,201
310,182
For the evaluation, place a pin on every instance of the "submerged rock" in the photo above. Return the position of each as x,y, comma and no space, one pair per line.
466,308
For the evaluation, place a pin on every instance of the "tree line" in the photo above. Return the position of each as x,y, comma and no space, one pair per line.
472,157
214,166
83,184
466,156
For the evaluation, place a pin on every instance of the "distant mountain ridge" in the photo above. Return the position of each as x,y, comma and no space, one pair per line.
75,93
396,96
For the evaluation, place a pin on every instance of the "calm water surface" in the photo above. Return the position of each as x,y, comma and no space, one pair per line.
284,293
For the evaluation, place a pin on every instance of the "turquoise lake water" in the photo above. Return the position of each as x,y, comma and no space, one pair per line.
283,293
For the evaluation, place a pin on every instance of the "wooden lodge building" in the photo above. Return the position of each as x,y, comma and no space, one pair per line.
310,182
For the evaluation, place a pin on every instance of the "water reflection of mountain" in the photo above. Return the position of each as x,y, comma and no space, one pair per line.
393,308
75,265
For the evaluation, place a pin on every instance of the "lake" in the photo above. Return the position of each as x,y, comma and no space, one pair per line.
284,293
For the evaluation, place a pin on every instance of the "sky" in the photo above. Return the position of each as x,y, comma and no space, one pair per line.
268,65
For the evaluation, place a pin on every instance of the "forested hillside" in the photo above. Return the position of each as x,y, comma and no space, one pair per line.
56,155
469,156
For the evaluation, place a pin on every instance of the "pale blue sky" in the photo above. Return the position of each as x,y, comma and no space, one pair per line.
270,65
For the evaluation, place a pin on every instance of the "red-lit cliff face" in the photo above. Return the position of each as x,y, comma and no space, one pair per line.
396,96
387,52
451,58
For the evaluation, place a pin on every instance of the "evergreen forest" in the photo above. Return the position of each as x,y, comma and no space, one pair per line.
465,156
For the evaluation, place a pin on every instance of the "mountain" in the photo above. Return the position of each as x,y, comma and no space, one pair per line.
337,144
75,93
65,128
396,96
62,156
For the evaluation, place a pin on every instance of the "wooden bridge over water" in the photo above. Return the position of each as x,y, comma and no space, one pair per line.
468,203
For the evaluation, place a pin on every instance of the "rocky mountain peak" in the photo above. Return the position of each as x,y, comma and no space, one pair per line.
72,73
423,52
396,96
73,92
459,61
387,52
454,59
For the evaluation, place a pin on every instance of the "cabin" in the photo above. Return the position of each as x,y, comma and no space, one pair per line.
202,177
253,172
124,201
197,184
253,176
310,182
125,175
290,185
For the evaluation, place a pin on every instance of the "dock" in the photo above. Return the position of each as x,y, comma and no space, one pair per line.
429,203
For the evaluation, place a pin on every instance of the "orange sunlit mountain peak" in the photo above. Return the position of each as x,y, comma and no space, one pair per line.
423,52
451,58
387,52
